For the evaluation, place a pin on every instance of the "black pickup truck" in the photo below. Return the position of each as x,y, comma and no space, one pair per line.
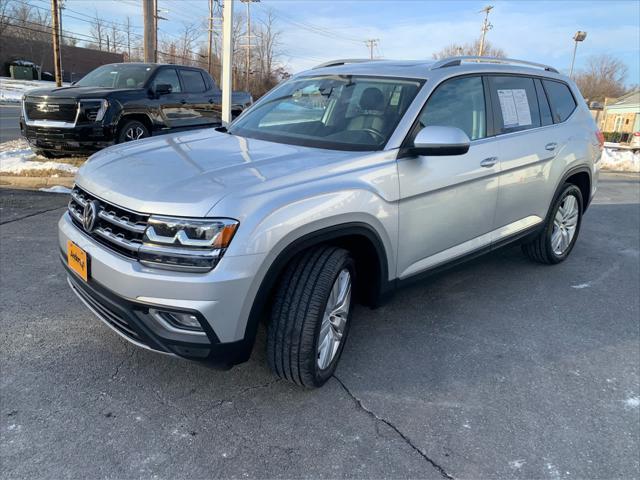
119,103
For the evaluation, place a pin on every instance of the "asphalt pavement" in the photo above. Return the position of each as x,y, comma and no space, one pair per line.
499,368
9,122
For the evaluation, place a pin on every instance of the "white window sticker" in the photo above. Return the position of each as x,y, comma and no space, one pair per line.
515,107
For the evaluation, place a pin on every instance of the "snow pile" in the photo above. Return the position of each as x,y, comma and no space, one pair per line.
16,157
11,90
620,160
56,189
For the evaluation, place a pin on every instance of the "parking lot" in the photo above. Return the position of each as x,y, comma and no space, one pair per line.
497,368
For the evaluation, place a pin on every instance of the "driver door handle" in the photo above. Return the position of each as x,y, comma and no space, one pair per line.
489,162
183,101
551,146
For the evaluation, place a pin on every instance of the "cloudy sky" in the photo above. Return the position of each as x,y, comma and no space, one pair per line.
315,31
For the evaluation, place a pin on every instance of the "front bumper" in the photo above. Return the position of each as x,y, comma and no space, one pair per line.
120,291
80,139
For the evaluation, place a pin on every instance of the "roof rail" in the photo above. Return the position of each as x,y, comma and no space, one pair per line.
344,61
455,61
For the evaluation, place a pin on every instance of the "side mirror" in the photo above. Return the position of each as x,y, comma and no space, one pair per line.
436,140
73,83
163,89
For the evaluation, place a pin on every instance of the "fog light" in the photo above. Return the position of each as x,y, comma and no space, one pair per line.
182,321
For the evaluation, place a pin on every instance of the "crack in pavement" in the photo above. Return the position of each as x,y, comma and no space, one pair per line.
407,440
235,395
31,215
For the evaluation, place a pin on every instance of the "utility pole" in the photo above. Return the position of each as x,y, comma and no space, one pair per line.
371,43
128,39
227,60
149,31
60,7
55,31
486,26
155,31
210,41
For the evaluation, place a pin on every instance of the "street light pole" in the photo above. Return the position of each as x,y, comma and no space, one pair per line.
227,60
578,37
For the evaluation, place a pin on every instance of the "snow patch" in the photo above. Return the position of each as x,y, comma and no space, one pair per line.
517,464
11,90
56,189
554,473
16,157
620,160
581,285
633,402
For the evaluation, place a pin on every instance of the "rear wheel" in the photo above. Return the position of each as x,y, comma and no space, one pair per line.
132,130
311,315
555,242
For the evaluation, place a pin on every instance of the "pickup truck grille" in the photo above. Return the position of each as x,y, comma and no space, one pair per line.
115,227
58,110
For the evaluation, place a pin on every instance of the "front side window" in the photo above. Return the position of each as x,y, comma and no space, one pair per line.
167,76
562,102
193,81
342,112
117,76
458,102
515,103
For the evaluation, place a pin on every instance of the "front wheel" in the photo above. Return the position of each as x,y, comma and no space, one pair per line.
555,242
132,130
311,315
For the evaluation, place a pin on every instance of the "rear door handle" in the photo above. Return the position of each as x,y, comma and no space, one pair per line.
183,101
551,146
489,162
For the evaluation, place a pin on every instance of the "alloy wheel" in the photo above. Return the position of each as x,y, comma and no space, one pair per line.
133,133
334,320
565,224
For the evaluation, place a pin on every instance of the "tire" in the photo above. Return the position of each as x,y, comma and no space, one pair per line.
44,153
295,333
544,248
132,130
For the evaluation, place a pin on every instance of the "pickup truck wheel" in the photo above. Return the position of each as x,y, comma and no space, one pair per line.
44,153
560,232
311,315
132,130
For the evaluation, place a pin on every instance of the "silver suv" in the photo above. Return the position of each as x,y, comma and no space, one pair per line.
336,187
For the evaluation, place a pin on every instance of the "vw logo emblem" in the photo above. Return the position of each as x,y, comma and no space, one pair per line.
90,215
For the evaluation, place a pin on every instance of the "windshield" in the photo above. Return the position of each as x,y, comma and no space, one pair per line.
117,76
333,112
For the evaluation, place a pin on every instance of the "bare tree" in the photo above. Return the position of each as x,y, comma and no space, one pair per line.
603,77
98,31
267,45
459,49
115,38
4,15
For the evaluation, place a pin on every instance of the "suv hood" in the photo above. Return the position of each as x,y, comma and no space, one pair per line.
74,91
186,174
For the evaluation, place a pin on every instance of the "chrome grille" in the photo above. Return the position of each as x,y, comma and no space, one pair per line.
115,227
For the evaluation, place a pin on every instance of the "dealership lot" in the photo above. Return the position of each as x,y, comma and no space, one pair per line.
497,368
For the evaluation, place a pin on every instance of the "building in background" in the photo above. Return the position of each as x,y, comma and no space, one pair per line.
620,117
77,61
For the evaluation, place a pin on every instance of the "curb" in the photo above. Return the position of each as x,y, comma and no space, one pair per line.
35,182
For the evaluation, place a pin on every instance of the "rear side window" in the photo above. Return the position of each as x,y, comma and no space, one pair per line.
515,103
193,81
167,76
458,102
561,100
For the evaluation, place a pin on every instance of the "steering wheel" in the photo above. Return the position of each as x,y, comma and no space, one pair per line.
374,133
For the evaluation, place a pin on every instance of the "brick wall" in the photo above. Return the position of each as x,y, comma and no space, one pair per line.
76,61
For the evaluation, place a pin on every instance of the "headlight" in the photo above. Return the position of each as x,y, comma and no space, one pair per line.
94,110
188,244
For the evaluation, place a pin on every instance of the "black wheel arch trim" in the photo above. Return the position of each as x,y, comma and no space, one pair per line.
323,235
569,173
